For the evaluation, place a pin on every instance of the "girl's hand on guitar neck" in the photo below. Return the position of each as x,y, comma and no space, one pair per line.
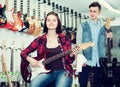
75,51
33,62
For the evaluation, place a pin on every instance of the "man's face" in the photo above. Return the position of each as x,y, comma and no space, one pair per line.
94,12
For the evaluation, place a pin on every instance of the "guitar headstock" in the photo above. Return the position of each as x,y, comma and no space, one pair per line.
13,44
108,23
86,45
3,44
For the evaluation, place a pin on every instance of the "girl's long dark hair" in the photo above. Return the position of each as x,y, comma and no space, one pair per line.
58,29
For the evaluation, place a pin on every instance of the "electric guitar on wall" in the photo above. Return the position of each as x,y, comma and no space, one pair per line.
8,14
28,72
3,18
18,23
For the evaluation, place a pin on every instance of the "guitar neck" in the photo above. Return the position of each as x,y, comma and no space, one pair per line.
108,40
49,60
11,64
6,70
7,74
39,12
60,55
28,7
15,5
109,49
21,6
6,2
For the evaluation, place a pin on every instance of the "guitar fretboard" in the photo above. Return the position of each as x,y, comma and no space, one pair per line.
49,60
15,5
21,6
28,7
12,58
39,9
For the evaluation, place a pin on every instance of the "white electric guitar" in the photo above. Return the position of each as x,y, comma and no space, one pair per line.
28,72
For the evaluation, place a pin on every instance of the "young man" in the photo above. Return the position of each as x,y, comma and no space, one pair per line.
93,30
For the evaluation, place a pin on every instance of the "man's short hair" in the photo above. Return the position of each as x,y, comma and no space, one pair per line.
95,4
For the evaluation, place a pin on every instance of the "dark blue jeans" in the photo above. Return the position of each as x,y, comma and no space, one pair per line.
84,75
60,77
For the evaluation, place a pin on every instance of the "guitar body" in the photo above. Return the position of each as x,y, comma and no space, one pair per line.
37,28
10,22
103,63
29,26
18,23
28,73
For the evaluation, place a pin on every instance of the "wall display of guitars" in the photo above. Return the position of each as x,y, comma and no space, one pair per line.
12,55
14,22
31,24
27,25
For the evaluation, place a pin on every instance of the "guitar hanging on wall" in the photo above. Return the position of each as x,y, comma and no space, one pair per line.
3,18
18,23
8,14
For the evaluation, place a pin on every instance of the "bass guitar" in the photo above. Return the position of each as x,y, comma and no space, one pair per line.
106,63
28,72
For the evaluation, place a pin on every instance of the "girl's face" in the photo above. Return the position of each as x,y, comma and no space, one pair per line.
94,12
52,22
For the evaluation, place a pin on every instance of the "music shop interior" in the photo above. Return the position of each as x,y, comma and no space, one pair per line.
21,21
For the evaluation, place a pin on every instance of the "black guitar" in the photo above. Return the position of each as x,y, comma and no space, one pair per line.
3,18
106,63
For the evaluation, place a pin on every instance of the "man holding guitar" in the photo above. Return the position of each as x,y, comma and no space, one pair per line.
95,31
54,56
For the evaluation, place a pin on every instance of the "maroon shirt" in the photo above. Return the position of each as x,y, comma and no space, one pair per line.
39,44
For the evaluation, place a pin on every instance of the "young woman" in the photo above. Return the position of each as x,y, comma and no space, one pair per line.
51,43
